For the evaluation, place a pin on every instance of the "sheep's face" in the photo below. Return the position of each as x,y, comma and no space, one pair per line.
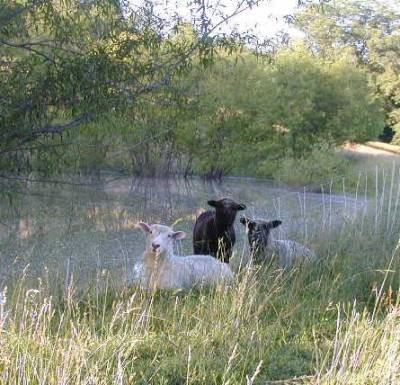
161,238
258,231
227,208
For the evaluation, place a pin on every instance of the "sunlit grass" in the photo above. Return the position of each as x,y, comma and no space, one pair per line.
330,323
335,321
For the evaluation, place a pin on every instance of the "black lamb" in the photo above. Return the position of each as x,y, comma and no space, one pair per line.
213,232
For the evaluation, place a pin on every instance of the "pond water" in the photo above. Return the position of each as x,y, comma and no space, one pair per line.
81,231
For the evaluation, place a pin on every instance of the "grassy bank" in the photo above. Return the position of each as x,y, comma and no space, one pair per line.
334,322
341,170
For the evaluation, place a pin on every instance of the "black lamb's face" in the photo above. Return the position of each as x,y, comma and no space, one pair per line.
227,209
258,231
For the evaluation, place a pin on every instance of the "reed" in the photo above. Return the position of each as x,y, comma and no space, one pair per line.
332,322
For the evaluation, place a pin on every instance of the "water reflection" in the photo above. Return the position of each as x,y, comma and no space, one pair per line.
80,229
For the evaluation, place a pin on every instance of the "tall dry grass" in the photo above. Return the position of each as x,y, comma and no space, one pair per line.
332,322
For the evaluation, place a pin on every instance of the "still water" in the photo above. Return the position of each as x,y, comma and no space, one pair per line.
80,231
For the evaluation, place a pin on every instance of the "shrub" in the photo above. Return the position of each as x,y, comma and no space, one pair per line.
322,165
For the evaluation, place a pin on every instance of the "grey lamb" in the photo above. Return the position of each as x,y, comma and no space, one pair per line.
263,247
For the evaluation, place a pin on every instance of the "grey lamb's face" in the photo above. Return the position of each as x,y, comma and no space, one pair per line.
258,231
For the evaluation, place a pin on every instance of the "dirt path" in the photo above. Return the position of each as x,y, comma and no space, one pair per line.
373,148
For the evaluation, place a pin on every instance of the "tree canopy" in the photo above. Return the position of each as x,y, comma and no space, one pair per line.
66,62
369,31
89,85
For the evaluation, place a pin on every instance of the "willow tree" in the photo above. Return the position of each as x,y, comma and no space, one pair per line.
65,62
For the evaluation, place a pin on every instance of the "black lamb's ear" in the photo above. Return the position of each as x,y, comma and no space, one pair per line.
212,203
275,223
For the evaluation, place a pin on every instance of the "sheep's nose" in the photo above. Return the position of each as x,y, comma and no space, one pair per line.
155,246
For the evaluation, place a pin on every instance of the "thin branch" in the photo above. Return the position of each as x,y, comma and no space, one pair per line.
27,46
48,129
18,12
49,44
166,79
58,128
21,178
41,146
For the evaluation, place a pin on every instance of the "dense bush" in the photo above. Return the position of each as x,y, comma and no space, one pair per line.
368,31
252,113
321,165
217,109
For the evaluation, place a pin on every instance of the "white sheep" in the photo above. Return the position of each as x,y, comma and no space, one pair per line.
164,270
263,247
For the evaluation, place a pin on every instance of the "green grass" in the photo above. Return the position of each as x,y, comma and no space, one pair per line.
333,322
326,169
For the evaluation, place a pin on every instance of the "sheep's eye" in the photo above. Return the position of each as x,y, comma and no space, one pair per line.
169,236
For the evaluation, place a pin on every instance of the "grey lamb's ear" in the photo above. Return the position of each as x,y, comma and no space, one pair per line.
243,220
274,223
144,226
247,222
241,206
212,203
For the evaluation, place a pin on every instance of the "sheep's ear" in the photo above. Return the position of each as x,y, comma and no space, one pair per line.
144,226
247,222
212,203
179,235
241,206
275,223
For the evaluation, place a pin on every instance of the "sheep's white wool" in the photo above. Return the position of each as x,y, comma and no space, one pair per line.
264,246
164,270
288,251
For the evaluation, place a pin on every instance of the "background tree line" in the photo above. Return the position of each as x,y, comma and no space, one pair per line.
88,86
